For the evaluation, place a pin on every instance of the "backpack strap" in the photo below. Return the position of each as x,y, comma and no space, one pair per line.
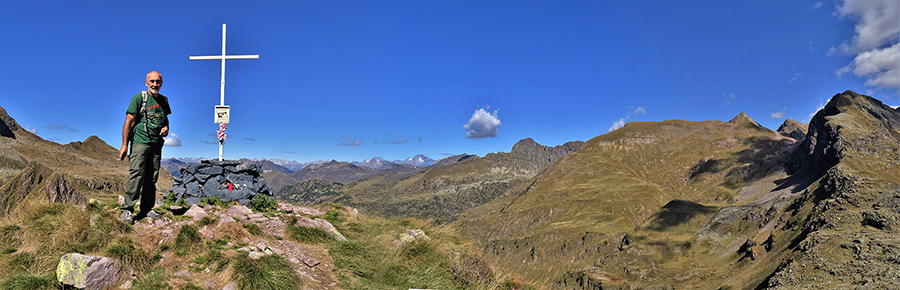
143,111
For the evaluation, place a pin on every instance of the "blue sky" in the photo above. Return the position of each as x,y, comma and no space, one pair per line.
349,80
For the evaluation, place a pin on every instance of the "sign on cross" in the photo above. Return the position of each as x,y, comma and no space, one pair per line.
222,111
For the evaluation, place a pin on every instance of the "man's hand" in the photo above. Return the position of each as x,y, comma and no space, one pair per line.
123,152
164,132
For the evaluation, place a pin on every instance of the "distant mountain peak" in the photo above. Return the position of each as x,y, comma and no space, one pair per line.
744,119
793,129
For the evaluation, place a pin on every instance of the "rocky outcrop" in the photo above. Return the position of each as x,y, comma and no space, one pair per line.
529,149
39,182
227,180
88,272
8,125
864,121
313,191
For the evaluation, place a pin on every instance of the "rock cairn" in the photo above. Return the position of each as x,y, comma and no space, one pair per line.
229,180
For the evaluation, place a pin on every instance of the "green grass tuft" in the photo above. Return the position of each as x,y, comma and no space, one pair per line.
191,286
187,241
30,282
155,279
125,252
253,229
207,220
308,235
268,273
334,216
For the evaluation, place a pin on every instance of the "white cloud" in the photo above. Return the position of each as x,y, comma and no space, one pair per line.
350,141
482,125
779,115
632,113
55,127
729,99
814,7
618,124
875,43
796,76
32,130
172,140
640,111
881,66
395,139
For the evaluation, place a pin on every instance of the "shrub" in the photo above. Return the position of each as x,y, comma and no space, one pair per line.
213,200
263,203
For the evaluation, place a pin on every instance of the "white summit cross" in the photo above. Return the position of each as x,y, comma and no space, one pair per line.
223,112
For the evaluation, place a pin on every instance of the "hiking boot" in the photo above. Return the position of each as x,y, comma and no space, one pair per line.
126,217
153,215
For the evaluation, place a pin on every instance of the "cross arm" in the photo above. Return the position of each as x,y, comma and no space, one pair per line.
217,57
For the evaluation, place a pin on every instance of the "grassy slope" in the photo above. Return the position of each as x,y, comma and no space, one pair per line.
579,209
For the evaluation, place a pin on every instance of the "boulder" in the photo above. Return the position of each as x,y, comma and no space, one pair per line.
88,272
409,236
196,212
323,225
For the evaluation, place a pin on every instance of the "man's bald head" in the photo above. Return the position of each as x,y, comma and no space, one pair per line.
153,82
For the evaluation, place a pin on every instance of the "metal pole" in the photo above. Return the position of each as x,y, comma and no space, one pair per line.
222,92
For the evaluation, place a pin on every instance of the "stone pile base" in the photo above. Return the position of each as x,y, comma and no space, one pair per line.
229,180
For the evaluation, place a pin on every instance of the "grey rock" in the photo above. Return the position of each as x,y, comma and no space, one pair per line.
211,170
323,225
192,168
310,261
196,212
88,272
183,273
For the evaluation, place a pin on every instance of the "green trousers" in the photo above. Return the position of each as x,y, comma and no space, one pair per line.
143,171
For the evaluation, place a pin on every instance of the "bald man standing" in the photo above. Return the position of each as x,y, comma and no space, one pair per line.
146,123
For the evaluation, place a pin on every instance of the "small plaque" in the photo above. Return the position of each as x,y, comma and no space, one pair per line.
223,113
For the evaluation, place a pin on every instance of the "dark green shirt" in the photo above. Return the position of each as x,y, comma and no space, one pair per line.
155,118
